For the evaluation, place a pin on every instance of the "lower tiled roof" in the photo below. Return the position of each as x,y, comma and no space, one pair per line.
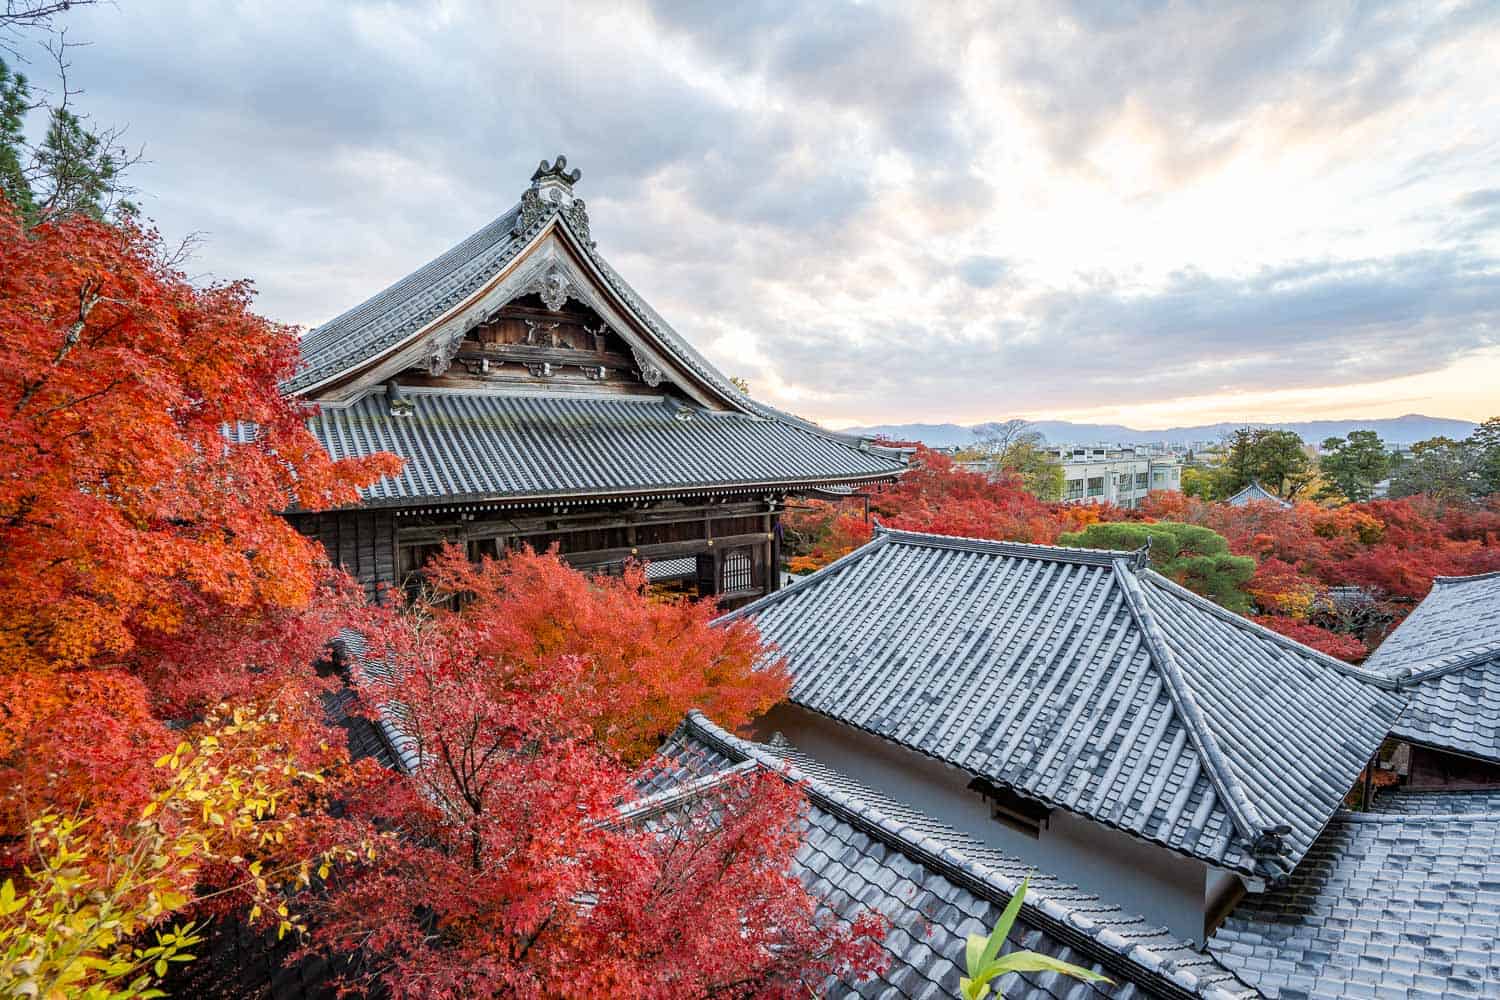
935,885
1385,905
494,445
1456,710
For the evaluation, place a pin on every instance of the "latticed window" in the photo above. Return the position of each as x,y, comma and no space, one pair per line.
1096,486
739,571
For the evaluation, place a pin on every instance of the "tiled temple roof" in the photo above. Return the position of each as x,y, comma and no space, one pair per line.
505,445
1256,493
1083,680
484,443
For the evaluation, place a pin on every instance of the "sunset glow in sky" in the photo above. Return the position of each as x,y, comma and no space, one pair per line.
1149,213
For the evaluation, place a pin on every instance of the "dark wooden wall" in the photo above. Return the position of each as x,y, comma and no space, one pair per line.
1435,769
363,542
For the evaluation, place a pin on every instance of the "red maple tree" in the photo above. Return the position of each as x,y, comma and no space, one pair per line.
641,664
513,872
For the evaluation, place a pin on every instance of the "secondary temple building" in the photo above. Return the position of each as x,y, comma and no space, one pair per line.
1075,709
537,399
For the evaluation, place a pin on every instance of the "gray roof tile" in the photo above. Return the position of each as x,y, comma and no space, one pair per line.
1086,683
1256,493
935,884
1385,904
1447,652
408,305
479,445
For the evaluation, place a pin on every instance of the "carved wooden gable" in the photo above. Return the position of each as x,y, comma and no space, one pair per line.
541,337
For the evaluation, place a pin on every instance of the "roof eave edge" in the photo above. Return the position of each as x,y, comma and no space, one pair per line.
953,865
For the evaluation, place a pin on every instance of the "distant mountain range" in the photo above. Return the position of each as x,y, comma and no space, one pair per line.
1392,430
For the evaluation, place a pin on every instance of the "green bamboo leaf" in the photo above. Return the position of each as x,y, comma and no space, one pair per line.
1007,920
1031,961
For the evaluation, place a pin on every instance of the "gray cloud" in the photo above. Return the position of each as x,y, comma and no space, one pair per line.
840,183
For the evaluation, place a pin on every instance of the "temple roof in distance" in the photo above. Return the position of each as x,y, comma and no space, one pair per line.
935,885
1256,493
1083,680
1447,652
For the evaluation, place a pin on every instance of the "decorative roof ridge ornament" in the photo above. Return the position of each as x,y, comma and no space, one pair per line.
556,173
552,191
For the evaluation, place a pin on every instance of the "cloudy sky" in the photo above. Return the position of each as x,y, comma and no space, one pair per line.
1152,213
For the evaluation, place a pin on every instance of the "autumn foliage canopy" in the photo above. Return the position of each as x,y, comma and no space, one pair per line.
526,709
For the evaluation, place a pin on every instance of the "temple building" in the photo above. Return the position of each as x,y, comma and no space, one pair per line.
537,399
1447,654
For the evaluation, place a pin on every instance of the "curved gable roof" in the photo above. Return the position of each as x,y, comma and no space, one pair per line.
1254,492
1082,680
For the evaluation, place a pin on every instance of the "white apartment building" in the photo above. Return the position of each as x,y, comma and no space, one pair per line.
1121,476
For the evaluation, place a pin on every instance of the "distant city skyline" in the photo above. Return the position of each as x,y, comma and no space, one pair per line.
879,213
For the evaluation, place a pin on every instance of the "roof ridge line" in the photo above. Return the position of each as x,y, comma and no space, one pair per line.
1032,550
1264,839
650,805
1405,675
1449,580
694,359
1379,678
1038,907
801,583
1349,815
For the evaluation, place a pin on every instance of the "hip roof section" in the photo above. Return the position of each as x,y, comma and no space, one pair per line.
508,446
1081,680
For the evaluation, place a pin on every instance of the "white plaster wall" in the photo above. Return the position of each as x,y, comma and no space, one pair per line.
1161,885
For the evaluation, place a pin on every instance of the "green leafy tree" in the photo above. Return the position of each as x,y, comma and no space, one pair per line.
1352,465
15,102
1442,468
1486,442
1041,476
76,168
1278,460
1200,483
1194,556
983,963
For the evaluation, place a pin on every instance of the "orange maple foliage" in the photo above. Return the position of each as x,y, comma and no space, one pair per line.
125,501
145,572
647,662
